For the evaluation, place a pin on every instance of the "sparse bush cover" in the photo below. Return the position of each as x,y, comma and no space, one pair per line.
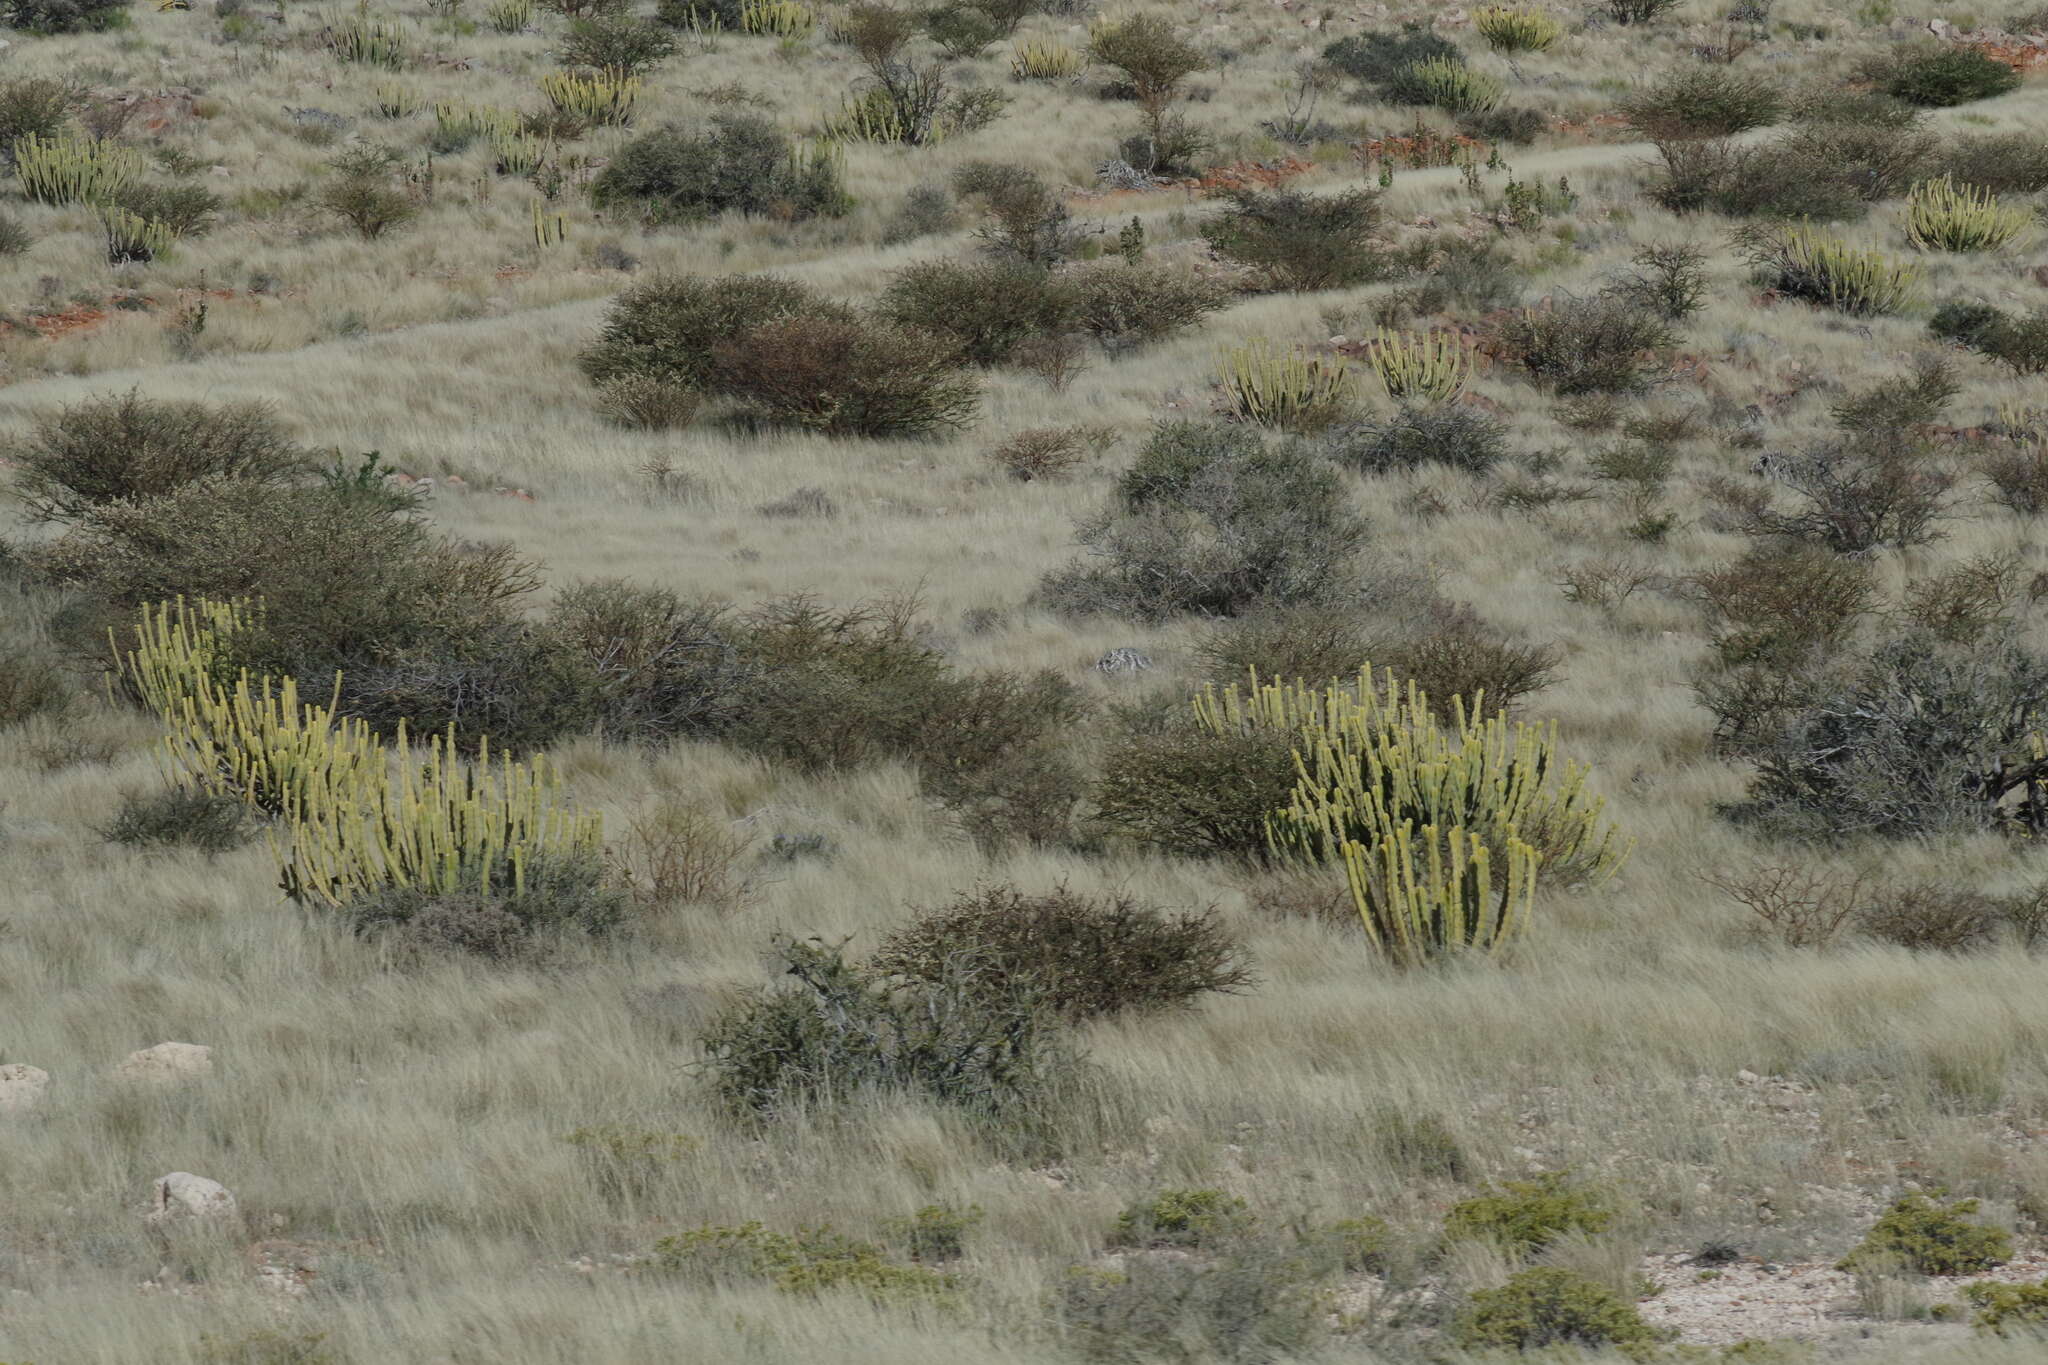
834,1034
1864,492
986,309
1256,1299
1550,1306
1452,435
1702,102
1527,1215
1931,1238
33,106
2016,340
1124,306
1921,738
1939,75
1081,955
1594,345
2001,1307
670,326
1926,917
66,16
1027,219
1301,241
809,1261
210,822
361,191
1998,163
1379,58
1211,521
555,897
1783,602
739,162
847,377
729,15
1182,1218
617,43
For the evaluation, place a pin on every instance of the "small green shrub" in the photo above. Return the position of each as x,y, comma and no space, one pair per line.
1125,306
1702,101
1026,218
2004,1307
936,1232
124,447
1940,75
1594,345
1998,163
1420,1146
833,1033
66,16
361,191
1182,1218
2016,340
737,163
670,326
844,377
1211,521
1299,241
1528,1215
1378,58
1192,793
665,666
553,899
808,1261
1452,435
1930,1238
207,821
1081,955
30,685
963,32
616,43
987,309
729,15
33,106
1550,1306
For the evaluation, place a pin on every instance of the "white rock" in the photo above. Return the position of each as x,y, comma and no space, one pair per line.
182,1194
21,1087
166,1064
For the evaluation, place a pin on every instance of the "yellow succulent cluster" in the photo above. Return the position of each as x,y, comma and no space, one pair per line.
1516,28
73,170
1944,216
778,18
1289,389
1828,270
1426,365
1440,829
600,97
1046,60
354,813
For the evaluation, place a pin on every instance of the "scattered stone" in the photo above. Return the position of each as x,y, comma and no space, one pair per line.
167,1064
182,1195
21,1087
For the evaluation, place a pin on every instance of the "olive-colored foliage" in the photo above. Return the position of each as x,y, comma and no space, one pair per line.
737,162
1928,1237
1300,241
1528,1215
1549,1306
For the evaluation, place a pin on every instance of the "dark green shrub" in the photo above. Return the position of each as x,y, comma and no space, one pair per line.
1125,306
14,238
833,1034
124,447
361,191
1876,144
1595,345
1921,738
1027,219
616,43
2001,1307
739,162
1783,602
1081,955
714,14
1301,241
1212,522
1182,1218
66,16
207,821
1379,58
34,105
1454,657
560,898
665,667
925,211
936,1232
1549,1306
1940,75
342,579
670,326
1639,11
963,32
846,377
2003,163
806,1262
2016,340
1930,1238
187,210
1528,1215
986,309
1701,101
1447,434
1506,123
1191,793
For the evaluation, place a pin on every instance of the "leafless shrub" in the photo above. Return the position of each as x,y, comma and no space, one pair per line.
678,853
1791,905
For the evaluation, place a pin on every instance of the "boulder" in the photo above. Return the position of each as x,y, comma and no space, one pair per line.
21,1087
182,1195
166,1064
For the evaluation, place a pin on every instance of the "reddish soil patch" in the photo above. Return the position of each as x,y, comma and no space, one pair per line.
2021,57
1419,150
1251,175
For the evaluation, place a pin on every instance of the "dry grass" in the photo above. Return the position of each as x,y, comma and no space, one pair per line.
404,1125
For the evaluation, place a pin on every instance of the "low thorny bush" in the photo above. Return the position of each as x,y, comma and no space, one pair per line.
1080,955
1601,344
738,162
1299,241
